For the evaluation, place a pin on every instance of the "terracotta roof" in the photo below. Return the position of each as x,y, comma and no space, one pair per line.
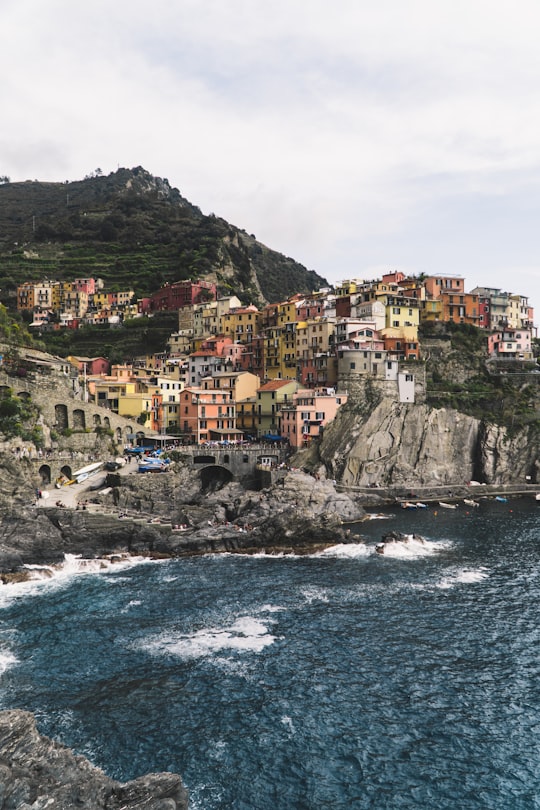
273,385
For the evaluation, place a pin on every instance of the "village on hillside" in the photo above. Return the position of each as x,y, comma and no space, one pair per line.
234,373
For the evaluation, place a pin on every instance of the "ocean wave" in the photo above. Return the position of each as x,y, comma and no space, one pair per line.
7,660
246,634
411,548
42,577
466,576
345,551
314,594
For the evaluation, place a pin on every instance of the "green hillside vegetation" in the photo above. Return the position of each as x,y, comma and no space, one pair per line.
135,338
134,231
461,378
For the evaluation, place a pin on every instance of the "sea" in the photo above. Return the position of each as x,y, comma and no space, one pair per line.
345,679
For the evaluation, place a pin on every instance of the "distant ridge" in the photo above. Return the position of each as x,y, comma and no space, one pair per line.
135,231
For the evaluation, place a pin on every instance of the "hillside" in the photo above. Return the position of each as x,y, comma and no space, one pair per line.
134,231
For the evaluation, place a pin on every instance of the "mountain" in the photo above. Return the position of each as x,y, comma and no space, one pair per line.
133,230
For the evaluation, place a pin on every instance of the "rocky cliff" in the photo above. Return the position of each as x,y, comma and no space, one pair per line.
36,772
417,445
142,515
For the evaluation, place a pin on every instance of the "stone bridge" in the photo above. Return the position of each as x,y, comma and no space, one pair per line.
219,465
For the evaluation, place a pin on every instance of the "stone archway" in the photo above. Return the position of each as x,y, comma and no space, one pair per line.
66,471
214,478
61,416
106,422
79,418
45,474
24,395
97,419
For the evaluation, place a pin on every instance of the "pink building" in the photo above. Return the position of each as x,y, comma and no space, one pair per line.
304,419
510,344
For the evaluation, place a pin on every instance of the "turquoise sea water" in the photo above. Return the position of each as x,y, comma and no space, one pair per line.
342,680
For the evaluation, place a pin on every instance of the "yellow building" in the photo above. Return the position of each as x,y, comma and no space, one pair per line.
272,353
241,324
270,398
431,310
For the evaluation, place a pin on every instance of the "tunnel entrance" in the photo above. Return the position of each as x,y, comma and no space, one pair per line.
215,478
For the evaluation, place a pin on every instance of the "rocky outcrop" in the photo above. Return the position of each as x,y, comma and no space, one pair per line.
416,445
170,515
36,772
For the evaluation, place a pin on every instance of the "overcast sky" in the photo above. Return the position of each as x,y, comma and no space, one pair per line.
356,137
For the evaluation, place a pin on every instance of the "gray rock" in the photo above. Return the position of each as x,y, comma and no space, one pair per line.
38,773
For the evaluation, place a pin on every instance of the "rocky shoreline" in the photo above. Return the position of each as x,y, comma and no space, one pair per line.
36,772
148,516
169,515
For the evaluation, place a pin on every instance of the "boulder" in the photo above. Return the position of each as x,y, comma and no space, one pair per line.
36,772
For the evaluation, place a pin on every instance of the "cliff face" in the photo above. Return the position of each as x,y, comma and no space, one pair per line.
38,772
401,444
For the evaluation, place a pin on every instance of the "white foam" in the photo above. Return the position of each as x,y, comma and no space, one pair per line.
348,551
43,577
314,595
7,660
411,548
288,723
467,576
246,634
271,608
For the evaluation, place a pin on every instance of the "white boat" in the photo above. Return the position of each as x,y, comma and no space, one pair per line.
421,505
408,505
470,502
447,505
538,496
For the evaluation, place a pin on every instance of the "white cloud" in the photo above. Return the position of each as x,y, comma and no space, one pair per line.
345,135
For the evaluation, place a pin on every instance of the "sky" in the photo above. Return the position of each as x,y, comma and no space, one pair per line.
356,137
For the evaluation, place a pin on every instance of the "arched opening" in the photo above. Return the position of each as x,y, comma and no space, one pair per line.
226,459
24,395
107,422
215,478
79,419
66,472
97,419
45,474
61,416
119,435
5,391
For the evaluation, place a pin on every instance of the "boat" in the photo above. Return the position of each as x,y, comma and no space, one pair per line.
152,464
447,505
501,499
470,502
420,505
408,505
537,496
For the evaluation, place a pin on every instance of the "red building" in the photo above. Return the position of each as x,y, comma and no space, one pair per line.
180,294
